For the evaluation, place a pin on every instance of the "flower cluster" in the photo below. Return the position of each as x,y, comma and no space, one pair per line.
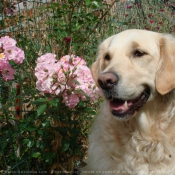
9,51
69,77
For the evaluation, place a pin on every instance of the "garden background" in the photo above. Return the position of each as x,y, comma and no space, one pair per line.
40,134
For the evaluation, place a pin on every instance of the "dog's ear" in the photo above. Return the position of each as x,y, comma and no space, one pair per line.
99,65
165,76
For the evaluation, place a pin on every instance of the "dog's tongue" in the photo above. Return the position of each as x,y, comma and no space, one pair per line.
119,105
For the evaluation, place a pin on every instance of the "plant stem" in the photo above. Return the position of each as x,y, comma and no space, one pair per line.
97,24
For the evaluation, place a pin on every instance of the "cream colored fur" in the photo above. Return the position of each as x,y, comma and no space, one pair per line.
145,143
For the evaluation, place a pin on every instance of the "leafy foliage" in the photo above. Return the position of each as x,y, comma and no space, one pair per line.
41,131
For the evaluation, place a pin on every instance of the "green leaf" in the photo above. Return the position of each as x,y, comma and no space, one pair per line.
41,109
25,141
40,100
96,4
65,145
88,2
53,103
64,6
81,104
40,132
79,152
30,143
90,111
36,155
4,144
76,82
31,128
48,49
38,143
48,156
46,123
12,63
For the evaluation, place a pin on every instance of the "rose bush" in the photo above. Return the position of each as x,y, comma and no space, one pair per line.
69,77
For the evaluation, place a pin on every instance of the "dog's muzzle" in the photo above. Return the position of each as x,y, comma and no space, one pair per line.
121,108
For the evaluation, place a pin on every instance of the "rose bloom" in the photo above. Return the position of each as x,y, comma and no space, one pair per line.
9,51
8,72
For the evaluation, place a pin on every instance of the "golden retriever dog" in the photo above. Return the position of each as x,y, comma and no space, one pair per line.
135,130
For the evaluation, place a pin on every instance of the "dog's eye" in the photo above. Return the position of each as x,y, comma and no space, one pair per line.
138,53
107,57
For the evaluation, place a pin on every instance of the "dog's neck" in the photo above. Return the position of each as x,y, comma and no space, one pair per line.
158,114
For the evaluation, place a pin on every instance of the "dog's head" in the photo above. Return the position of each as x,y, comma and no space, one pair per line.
132,67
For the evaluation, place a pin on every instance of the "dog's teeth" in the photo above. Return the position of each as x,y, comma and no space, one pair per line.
126,104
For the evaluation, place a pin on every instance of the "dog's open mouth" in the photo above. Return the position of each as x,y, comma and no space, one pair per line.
125,108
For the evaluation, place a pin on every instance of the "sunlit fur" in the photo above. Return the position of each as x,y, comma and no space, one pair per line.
145,143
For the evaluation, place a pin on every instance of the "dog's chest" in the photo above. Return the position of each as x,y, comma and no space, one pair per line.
133,150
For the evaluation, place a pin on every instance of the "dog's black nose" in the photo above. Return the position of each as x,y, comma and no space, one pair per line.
107,80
